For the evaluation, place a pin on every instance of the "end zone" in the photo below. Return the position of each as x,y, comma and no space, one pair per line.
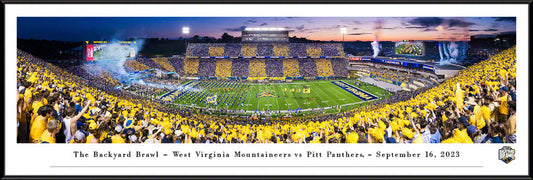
363,95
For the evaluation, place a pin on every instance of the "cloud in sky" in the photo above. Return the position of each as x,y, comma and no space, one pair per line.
251,21
429,29
358,34
415,27
458,23
351,21
238,29
436,21
426,21
490,29
505,19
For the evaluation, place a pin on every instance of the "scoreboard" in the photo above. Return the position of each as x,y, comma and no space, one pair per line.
96,50
259,35
410,48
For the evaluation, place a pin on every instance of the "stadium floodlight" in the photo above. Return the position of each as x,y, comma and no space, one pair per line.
263,29
343,30
185,30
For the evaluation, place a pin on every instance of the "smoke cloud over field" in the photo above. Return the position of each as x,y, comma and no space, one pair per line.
112,56
452,51
375,44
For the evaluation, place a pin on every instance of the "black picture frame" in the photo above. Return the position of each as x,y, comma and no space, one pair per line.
4,2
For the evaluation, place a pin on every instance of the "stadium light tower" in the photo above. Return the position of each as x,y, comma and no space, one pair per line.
343,31
185,30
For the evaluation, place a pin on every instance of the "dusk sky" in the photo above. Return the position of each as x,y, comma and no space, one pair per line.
314,28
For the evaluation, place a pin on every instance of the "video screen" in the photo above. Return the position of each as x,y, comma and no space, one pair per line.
410,48
109,51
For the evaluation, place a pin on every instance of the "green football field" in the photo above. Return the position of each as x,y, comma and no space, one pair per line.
274,97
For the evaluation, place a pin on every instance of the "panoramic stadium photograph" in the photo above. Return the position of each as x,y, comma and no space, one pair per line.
266,80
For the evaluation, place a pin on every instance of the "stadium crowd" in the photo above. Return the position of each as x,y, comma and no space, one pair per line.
392,75
307,67
314,52
297,49
135,65
249,50
164,63
240,68
207,67
274,67
190,67
149,62
281,50
177,63
257,68
291,67
223,68
478,105
232,49
263,49
216,51
339,67
323,67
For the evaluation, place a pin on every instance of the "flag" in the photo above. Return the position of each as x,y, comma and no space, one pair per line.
459,96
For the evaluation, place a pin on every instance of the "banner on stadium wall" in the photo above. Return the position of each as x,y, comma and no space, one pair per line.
355,58
392,62
90,52
431,68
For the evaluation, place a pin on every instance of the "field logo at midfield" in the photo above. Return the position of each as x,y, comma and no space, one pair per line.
355,91
265,94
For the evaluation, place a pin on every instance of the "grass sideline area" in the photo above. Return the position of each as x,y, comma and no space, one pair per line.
278,96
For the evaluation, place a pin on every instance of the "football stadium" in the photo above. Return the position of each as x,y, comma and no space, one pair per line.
266,87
